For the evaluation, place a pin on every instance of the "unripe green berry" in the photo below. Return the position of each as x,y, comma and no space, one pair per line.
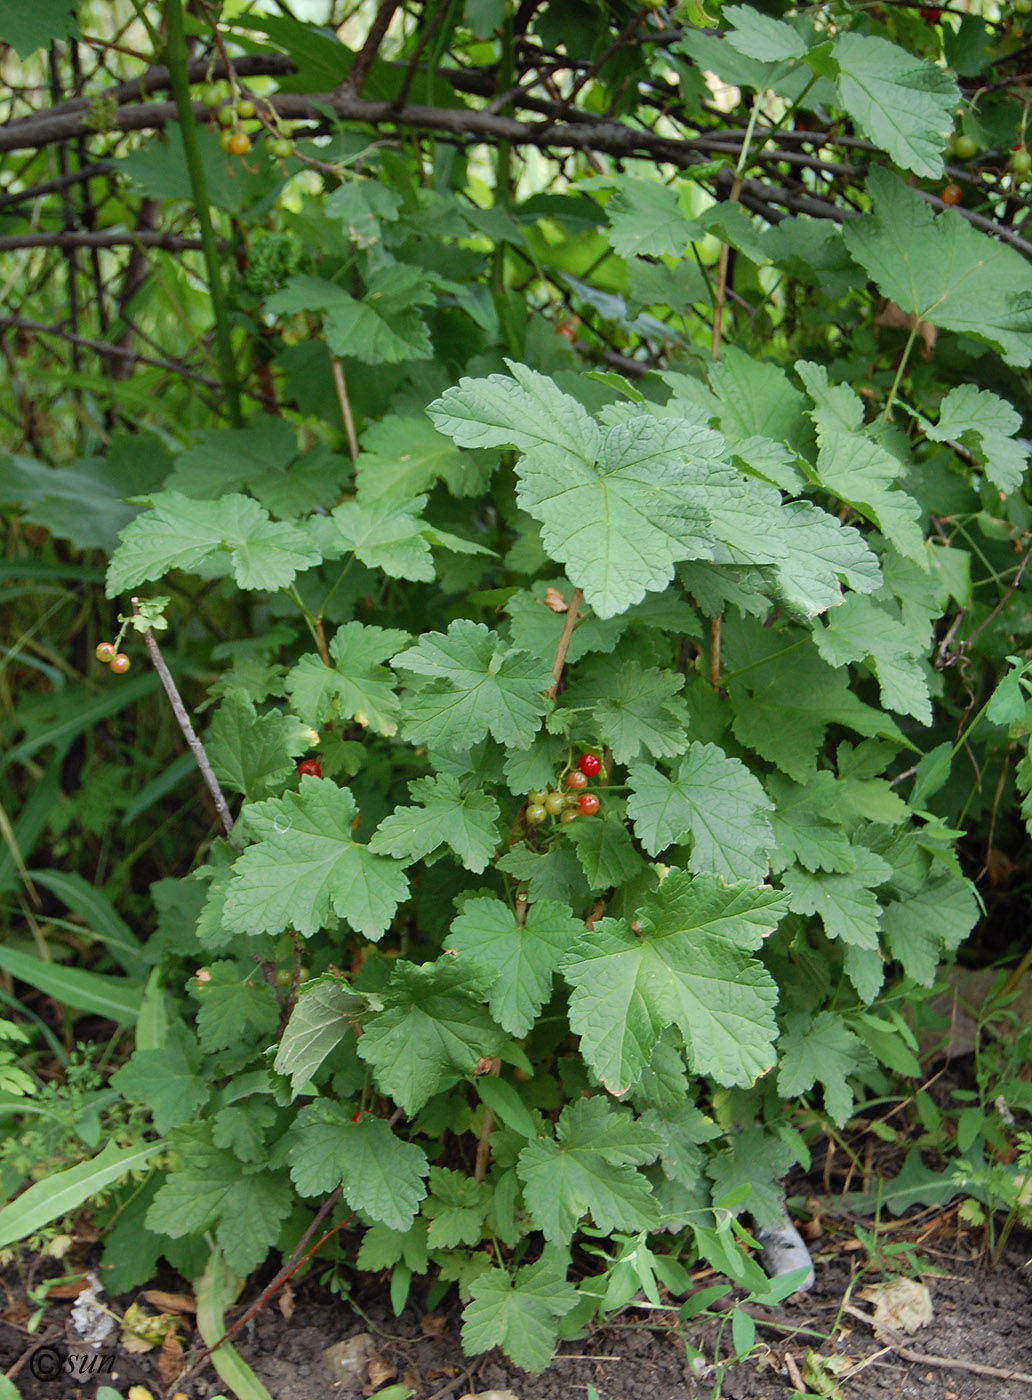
226,116
555,803
536,814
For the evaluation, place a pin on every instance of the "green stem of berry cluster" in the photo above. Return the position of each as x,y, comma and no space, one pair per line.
176,54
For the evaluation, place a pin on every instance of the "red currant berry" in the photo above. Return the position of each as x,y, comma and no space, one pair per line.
555,802
931,13
570,815
245,108
281,147
225,141
1021,161
105,652
536,796
309,768
226,116
587,804
952,194
239,143
536,813
577,780
589,765
356,1117
120,664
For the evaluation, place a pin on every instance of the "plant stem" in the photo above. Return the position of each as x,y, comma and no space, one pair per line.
563,645
183,719
177,57
887,410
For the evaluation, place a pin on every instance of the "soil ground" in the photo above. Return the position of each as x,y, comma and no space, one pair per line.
981,1320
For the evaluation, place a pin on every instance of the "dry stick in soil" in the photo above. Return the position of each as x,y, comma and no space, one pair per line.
563,645
924,1358
183,719
297,1258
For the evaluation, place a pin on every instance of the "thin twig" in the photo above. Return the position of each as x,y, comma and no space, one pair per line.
297,1258
923,1358
716,627
355,81
340,383
563,644
103,238
484,1141
183,719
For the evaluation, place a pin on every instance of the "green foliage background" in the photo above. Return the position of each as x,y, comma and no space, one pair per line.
640,319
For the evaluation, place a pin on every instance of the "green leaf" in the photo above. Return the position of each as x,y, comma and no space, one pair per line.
604,850
643,710
590,1168
554,874
821,555
241,1129
468,824
167,1080
502,1098
208,1190
250,752
521,957
432,1031
321,1018
383,328
686,968
712,801
477,686
760,36
30,27
304,868
985,424
942,270
904,105
862,629
862,472
759,1160
823,1051
65,1191
262,458
115,998
932,922
381,1175
357,685
456,1206
517,1314
804,823
385,534
179,533
232,1010
618,507
403,457
846,903
645,219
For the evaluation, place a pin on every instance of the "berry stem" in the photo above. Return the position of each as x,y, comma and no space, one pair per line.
563,644
183,720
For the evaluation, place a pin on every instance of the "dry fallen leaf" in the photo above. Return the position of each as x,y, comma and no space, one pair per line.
893,316
347,1360
287,1303
379,1371
902,1304
170,1359
433,1324
555,601
169,1302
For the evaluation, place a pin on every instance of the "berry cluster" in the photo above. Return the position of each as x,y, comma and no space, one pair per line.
230,113
108,653
548,802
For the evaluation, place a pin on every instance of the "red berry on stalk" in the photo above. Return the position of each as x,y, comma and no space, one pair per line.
105,652
577,780
952,194
587,804
309,768
931,13
120,664
589,765
356,1117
